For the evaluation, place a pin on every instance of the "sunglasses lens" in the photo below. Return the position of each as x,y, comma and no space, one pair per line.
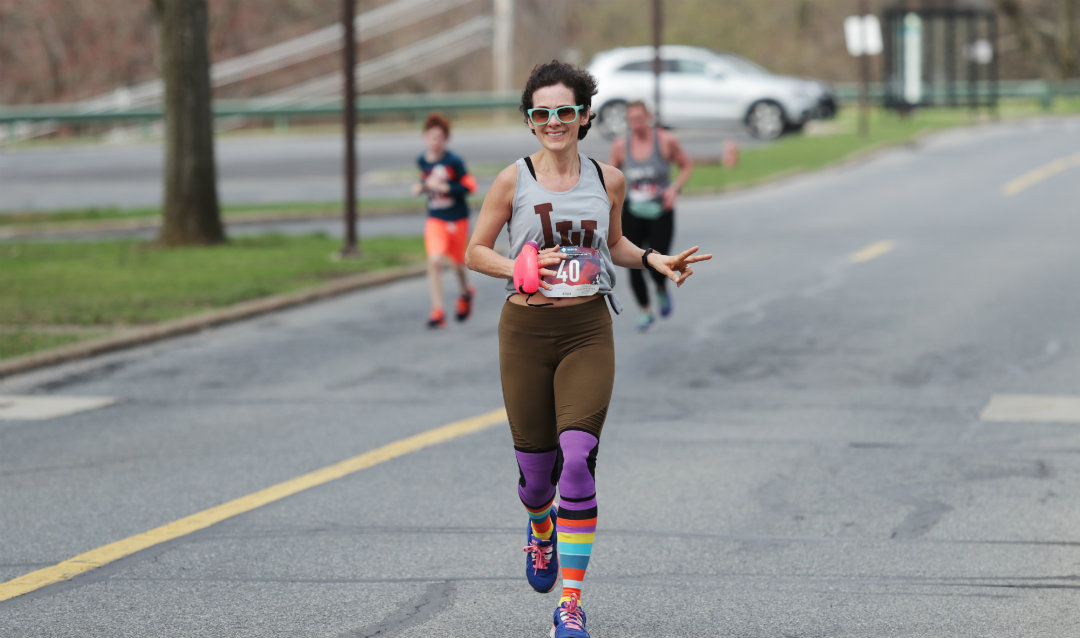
540,116
566,114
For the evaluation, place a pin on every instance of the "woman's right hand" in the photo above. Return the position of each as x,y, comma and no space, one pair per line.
545,258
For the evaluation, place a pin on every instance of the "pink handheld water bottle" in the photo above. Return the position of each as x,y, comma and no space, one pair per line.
527,270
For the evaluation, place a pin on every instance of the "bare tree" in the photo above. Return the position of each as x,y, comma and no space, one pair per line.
1050,39
191,214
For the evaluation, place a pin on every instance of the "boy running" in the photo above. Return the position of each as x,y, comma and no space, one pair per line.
446,182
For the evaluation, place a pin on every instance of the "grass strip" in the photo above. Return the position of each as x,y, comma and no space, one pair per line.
837,140
24,341
68,219
61,293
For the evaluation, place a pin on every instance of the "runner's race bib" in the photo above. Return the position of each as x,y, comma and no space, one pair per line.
645,200
577,275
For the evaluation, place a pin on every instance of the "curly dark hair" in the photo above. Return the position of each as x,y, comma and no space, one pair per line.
555,72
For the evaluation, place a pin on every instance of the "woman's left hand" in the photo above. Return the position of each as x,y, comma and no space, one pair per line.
677,267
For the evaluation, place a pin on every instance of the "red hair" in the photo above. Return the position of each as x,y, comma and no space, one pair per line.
437,119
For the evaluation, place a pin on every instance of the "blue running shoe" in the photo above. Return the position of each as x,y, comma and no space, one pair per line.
569,621
645,321
542,564
665,304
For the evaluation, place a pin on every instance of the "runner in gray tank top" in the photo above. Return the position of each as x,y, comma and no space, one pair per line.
556,351
576,217
646,156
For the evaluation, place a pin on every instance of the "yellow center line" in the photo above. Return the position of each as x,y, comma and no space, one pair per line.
1042,173
871,252
106,554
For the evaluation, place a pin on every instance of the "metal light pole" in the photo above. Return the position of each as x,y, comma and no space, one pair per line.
347,15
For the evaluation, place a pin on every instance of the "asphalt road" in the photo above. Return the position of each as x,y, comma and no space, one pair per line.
269,170
800,450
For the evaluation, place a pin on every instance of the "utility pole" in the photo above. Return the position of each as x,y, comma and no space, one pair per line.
503,45
864,71
657,29
347,15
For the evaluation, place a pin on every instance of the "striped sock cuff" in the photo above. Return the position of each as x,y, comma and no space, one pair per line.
541,521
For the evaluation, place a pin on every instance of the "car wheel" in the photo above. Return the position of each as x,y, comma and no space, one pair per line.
611,119
765,120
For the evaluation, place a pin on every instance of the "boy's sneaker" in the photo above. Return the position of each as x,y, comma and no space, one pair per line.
542,562
665,304
437,319
464,304
645,321
569,621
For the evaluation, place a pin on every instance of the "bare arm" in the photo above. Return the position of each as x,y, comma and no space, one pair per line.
673,152
494,214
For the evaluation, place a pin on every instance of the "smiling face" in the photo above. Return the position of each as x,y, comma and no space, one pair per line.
556,135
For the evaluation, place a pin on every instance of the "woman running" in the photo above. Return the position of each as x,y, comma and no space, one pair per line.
556,352
646,156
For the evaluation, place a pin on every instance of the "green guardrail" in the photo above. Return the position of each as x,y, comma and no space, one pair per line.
1040,90
368,107
381,106
376,105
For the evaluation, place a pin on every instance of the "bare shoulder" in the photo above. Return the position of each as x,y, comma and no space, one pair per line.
507,175
667,139
506,180
614,181
501,194
612,175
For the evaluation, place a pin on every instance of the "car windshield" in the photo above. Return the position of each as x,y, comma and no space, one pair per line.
677,65
646,66
742,64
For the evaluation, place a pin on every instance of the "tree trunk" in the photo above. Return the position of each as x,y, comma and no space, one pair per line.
191,215
1067,50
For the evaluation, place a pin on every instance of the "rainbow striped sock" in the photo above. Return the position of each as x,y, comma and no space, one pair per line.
576,526
541,521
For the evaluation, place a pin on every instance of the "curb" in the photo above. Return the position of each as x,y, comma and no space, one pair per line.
196,323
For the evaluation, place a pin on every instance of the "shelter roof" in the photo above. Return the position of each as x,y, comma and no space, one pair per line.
965,6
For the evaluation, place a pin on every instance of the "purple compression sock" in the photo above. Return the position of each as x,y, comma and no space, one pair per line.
536,488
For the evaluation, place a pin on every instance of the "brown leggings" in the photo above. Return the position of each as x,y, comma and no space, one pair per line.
558,368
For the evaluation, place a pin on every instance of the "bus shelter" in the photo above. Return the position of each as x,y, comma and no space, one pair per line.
940,53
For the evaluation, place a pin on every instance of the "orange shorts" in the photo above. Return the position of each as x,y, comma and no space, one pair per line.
446,238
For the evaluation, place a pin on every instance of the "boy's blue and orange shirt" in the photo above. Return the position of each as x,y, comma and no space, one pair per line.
450,206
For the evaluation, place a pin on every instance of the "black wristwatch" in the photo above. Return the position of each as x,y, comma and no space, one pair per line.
645,259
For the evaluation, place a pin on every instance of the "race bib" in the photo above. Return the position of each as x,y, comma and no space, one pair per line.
577,275
644,199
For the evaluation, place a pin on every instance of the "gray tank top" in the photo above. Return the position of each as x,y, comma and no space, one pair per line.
646,181
577,217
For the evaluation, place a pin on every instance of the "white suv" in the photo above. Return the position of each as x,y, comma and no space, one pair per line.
699,87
